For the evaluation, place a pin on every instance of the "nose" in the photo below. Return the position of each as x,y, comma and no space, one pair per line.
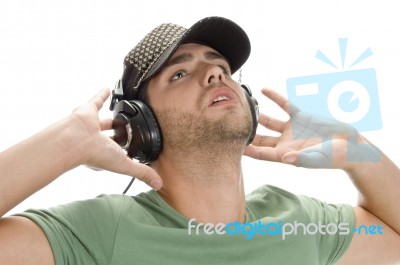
213,74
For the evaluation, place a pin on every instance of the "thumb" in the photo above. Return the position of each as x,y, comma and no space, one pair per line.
142,172
311,157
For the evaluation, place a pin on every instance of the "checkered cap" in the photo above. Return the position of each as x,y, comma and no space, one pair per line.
154,50
149,49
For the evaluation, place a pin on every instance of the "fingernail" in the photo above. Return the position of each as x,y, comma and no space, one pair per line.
289,159
156,184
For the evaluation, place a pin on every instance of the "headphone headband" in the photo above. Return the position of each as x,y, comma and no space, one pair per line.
117,94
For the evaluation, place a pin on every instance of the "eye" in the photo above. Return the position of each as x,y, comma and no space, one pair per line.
179,74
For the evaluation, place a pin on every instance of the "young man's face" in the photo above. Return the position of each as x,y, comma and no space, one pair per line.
194,95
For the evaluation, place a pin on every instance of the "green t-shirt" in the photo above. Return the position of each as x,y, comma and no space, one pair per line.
144,229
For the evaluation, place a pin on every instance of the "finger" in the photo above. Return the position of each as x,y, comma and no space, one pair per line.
314,159
271,123
113,158
308,159
106,124
141,172
99,99
266,141
317,156
262,153
281,101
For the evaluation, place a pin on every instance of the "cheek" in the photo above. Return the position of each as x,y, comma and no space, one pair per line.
183,100
175,103
182,96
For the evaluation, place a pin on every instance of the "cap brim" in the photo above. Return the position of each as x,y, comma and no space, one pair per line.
221,34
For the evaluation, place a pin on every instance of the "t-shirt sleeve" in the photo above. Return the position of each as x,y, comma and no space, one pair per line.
81,232
337,221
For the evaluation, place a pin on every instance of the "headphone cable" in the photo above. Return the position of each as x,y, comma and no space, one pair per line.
129,185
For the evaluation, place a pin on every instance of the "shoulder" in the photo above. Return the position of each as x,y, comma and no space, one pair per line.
273,202
269,200
110,205
272,195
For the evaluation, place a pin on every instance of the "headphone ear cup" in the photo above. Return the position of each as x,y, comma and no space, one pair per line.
150,132
254,110
136,130
120,130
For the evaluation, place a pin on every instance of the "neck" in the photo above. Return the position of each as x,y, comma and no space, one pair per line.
205,184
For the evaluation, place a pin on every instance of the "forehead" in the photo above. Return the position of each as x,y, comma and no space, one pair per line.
195,49
186,47
187,53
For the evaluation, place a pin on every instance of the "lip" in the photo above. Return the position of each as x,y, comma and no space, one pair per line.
221,92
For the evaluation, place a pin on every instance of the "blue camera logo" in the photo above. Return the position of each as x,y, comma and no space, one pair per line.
349,96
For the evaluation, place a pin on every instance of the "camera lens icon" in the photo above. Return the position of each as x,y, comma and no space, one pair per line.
348,101
348,96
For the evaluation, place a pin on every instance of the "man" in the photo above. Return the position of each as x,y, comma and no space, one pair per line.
206,122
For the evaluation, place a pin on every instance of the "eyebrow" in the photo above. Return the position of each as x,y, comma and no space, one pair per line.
182,58
211,55
187,57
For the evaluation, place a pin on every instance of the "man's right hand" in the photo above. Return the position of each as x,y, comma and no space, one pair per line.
99,151
76,140
35,162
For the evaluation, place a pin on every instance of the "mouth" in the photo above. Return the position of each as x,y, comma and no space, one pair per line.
219,99
221,96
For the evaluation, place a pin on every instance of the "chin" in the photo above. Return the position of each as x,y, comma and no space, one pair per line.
234,128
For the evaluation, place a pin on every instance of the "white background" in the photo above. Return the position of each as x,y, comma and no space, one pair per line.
54,55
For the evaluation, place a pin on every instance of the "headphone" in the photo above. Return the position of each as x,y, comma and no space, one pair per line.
136,128
254,110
